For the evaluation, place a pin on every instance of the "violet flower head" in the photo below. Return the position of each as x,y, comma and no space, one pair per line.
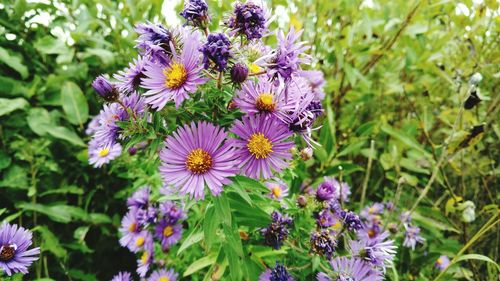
325,191
101,154
195,156
196,13
216,51
351,269
168,234
373,211
412,237
105,89
351,221
277,231
163,275
139,201
146,259
129,79
239,73
248,19
442,262
323,243
378,251
122,276
325,218
171,212
340,189
278,273
317,82
14,254
154,40
129,229
278,189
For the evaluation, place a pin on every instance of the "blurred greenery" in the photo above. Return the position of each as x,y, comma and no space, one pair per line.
397,73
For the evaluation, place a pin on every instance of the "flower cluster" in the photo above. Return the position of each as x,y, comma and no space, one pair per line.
277,231
147,222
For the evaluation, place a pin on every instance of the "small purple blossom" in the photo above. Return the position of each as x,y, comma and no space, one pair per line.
167,233
129,79
248,19
105,89
351,269
277,231
216,51
171,212
163,275
100,154
196,13
323,243
146,259
139,201
278,273
325,218
14,254
130,229
154,40
351,221
373,211
442,262
239,73
122,276
378,251
412,237
317,82
278,189
325,191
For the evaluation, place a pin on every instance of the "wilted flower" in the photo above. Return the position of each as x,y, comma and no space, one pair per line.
196,12
277,231
122,276
278,273
306,153
302,201
442,263
195,156
412,237
216,50
323,243
14,254
248,19
351,269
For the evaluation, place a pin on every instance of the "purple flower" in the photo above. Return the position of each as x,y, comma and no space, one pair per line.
129,79
100,154
196,12
277,231
378,250
412,237
14,254
168,234
323,243
195,156
155,40
217,51
278,273
139,202
248,19
175,79
351,221
93,125
239,73
146,259
105,89
171,212
325,191
372,211
122,276
262,145
278,189
262,96
140,241
287,58
163,275
130,229
325,218
442,263
351,269
405,217
317,82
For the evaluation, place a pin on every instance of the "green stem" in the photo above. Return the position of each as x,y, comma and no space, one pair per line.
367,175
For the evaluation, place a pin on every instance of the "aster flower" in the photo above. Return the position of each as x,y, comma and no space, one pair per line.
197,155
262,145
285,61
325,218
351,221
278,189
100,154
378,250
248,19
108,130
139,202
372,211
316,80
163,275
129,79
216,51
122,276
442,263
372,228
129,229
93,125
325,191
262,96
412,237
341,189
196,12
323,243
350,269
140,241
278,273
145,260
14,254
171,212
277,231
105,89
168,234
155,40
175,79
239,73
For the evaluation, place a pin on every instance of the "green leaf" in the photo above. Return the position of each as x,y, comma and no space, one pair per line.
194,237
211,223
407,140
66,134
50,242
5,160
49,45
476,257
15,177
222,208
74,103
56,213
39,121
200,264
14,62
9,105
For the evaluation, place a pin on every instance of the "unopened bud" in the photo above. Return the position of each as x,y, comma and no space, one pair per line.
306,153
302,201
239,73
105,89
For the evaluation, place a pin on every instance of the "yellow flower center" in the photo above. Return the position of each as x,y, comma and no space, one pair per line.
145,258
371,210
371,233
198,161
337,225
265,102
175,75
139,241
259,146
103,152
276,191
168,231
254,68
164,278
132,227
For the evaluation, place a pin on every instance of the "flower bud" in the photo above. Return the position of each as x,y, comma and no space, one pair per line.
239,73
302,201
306,153
105,89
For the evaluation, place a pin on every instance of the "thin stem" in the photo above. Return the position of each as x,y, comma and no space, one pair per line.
257,73
367,175
219,80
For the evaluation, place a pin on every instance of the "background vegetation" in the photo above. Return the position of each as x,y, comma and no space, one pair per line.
398,74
